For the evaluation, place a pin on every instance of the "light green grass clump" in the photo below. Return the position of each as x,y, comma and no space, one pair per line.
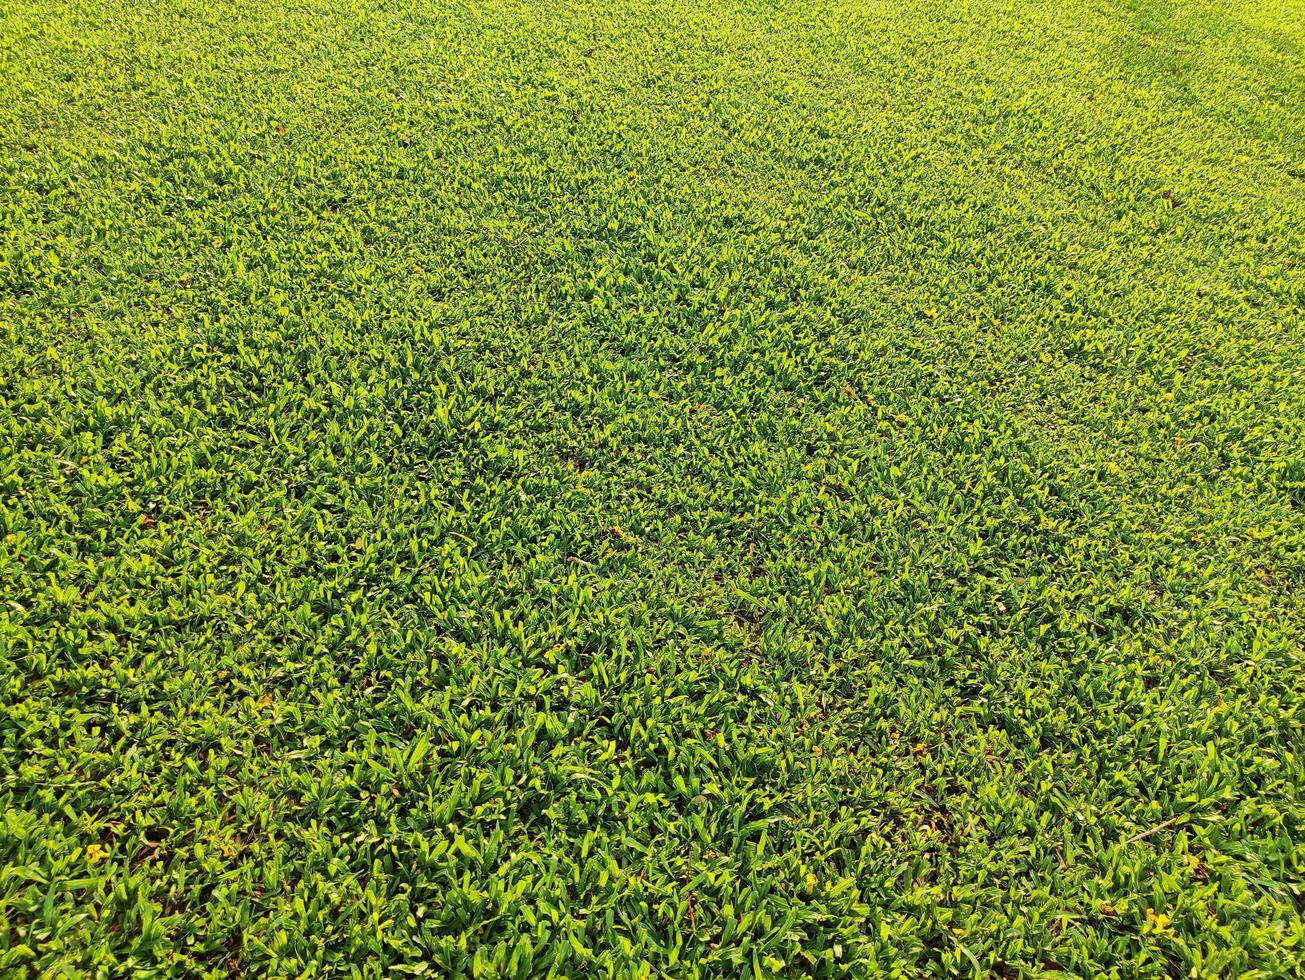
692,488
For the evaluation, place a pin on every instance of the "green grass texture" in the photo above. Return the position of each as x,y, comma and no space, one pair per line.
658,488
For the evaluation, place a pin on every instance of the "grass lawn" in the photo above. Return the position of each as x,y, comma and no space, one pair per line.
652,488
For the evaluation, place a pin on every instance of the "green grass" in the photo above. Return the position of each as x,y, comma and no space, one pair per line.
696,487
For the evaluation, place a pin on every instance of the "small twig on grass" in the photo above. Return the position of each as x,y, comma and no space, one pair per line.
1154,830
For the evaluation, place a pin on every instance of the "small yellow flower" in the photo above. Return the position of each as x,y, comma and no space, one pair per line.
931,313
812,881
1158,919
817,751
95,854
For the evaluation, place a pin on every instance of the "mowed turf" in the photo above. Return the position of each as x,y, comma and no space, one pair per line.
682,488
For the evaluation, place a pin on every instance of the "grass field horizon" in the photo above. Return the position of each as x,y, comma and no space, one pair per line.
688,488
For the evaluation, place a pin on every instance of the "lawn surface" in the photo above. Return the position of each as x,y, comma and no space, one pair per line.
699,487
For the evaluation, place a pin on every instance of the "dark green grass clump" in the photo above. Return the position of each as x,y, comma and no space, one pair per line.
692,488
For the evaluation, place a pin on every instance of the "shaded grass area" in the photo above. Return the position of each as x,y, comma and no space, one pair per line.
660,488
